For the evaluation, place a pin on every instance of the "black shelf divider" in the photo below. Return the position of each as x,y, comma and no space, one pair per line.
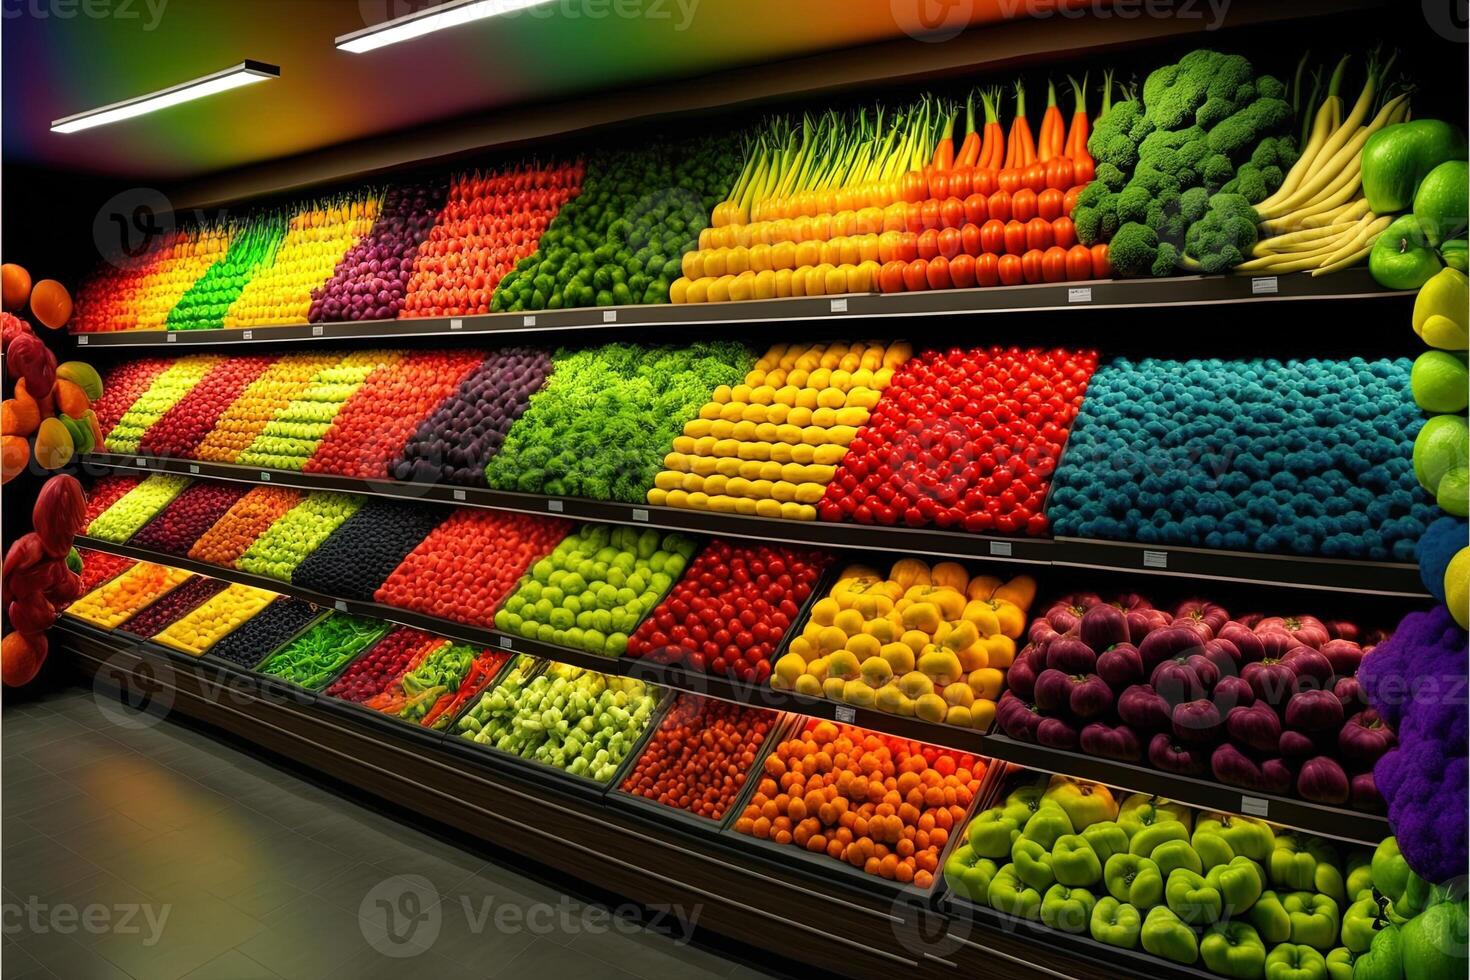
1288,571
1096,294
1300,814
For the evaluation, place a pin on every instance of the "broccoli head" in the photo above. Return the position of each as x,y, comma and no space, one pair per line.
1133,202
1270,87
1110,177
1155,182
1223,238
1175,94
1113,140
1216,170
1096,221
1279,151
1193,204
1242,130
1092,194
1253,182
1133,250
1166,260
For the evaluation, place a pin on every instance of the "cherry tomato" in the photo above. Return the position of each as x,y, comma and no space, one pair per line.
916,276
970,239
951,213
1054,264
1015,237
890,277
987,269
1031,266
1023,204
975,209
908,246
1038,234
1064,232
984,182
1079,262
1009,180
928,244
1101,267
938,273
1059,173
1049,204
993,236
962,270
950,243
1010,270
998,205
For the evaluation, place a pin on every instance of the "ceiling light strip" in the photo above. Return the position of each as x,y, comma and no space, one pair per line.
454,13
245,73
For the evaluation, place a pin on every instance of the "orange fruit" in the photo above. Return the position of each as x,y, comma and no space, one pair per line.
19,417
16,285
70,398
51,303
15,452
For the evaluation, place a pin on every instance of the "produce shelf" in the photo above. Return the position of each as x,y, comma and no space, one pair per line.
1323,820
1099,294
1288,571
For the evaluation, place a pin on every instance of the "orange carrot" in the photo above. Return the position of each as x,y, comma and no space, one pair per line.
970,149
1025,145
1053,127
992,153
944,150
1076,147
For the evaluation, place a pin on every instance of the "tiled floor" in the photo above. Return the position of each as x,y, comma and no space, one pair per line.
158,852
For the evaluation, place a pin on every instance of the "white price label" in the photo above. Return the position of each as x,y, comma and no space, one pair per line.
505,643
1000,548
459,495
141,461
340,605
249,335
839,306
528,321
1254,806
639,514
265,477
1079,294
1264,285
83,341
173,338
456,324
555,506
1155,559
609,316
193,467
316,331
845,714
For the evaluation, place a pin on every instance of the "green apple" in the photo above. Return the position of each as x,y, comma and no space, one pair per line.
1442,445
1401,257
1396,158
1456,254
1440,382
1442,202
1453,493
1085,803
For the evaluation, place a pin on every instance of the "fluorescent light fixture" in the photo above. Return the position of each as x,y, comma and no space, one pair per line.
245,73
452,13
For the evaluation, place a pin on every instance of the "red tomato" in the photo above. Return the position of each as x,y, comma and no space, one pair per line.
938,273
928,244
1064,232
1101,267
1015,237
1082,171
1023,204
970,239
993,236
984,182
1069,200
913,218
929,214
916,276
1059,173
987,269
950,243
1054,264
975,210
1049,204
1034,177
962,270
939,185
998,205
1010,270
1038,234
890,277
1031,266
951,213
908,247
1079,262
1009,180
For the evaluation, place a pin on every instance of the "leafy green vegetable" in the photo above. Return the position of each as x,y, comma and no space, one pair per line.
315,656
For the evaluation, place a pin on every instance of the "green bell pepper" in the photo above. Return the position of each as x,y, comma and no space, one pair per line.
992,833
1359,878
1048,823
1115,923
1023,802
1192,898
1292,962
1314,919
1300,863
1434,942
1107,839
1174,854
1239,884
1067,909
1361,922
1418,896
1212,849
1073,862
969,874
1147,839
1033,864
1232,949
1246,835
1009,894
1164,935
1270,918
1384,959
1388,869
1340,964
1140,811
1135,880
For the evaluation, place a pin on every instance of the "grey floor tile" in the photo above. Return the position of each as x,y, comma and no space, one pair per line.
480,931
16,963
233,965
264,897
27,795
193,933
347,889
648,953
41,863
544,958
307,939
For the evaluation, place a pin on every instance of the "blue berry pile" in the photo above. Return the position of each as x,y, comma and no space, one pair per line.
1306,457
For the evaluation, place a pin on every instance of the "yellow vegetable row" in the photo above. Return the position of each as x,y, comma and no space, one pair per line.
868,222
825,279
215,619
112,604
735,259
930,643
